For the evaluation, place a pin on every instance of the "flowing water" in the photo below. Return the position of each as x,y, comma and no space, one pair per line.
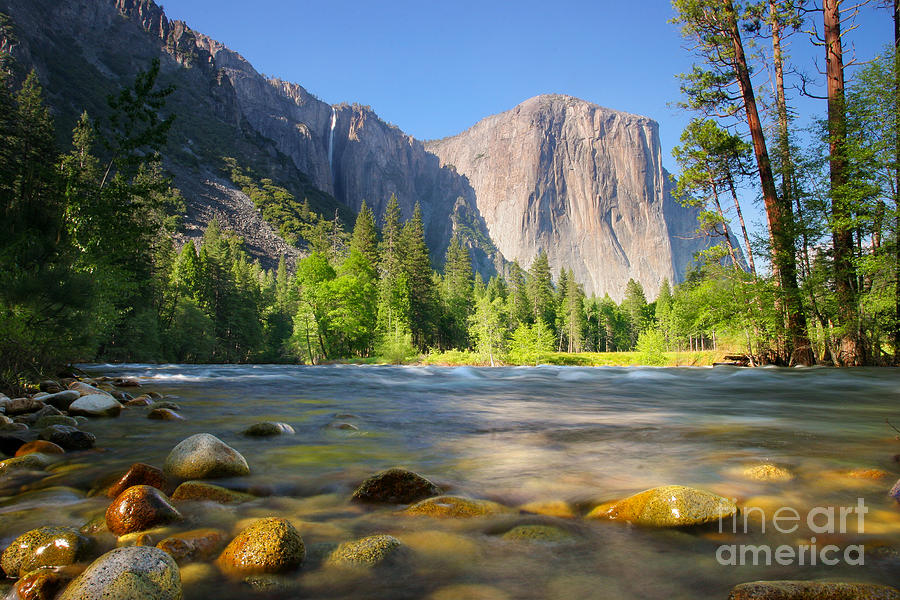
520,436
331,141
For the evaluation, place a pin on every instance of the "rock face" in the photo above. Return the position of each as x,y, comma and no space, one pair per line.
582,183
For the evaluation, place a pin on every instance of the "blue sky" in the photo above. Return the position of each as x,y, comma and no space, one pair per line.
436,68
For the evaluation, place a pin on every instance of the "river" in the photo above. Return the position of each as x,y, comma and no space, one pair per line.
519,436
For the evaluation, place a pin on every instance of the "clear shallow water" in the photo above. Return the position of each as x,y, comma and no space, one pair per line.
520,435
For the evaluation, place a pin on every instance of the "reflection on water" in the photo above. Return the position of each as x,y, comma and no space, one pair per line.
522,435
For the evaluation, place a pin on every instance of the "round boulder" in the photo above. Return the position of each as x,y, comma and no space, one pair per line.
268,429
668,506
61,400
395,486
138,508
69,438
96,405
204,456
270,545
44,547
132,573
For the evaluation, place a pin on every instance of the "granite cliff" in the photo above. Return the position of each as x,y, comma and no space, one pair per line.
582,183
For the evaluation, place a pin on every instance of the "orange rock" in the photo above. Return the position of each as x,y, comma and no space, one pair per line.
39,446
195,545
138,474
138,508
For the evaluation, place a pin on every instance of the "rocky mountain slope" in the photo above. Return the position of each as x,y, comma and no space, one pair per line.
582,183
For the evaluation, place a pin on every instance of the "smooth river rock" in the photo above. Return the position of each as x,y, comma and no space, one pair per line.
138,474
367,552
194,545
457,507
199,490
39,446
70,438
667,506
96,405
395,486
268,429
62,400
138,508
44,547
132,573
204,456
767,472
29,462
812,590
269,545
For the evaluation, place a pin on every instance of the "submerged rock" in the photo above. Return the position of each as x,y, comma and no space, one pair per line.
204,456
132,573
164,414
195,545
550,508
268,429
366,552
29,462
70,438
138,474
44,547
812,590
455,506
667,506
49,420
767,472
538,533
199,490
96,405
39,446
21,406
138,508
269,545
395,486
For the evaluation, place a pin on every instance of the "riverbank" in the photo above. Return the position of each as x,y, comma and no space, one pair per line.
455,358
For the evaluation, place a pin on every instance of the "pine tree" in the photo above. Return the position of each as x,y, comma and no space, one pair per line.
422,293
457,293
365,235
540,290
634,306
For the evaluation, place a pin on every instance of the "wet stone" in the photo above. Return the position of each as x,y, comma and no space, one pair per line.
199,490
812,590
269,545
45,422
204,456
21,406
165,404
268,429
133,573
538,533
61,400
44,584
70,438
41,446
10,444
195,545
667,506
140,401
456,507
96,405
367,552
44,547
164,414
138,508
395,486
138,474
28,462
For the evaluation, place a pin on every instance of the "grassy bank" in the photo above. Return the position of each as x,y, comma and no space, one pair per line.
580,359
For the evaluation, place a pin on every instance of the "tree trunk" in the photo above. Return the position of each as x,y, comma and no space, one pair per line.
740,215
841,231
897,188
779,216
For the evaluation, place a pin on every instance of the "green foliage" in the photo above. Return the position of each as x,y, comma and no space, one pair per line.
529,343
651,346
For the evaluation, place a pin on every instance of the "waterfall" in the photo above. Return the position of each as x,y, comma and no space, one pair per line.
331,142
